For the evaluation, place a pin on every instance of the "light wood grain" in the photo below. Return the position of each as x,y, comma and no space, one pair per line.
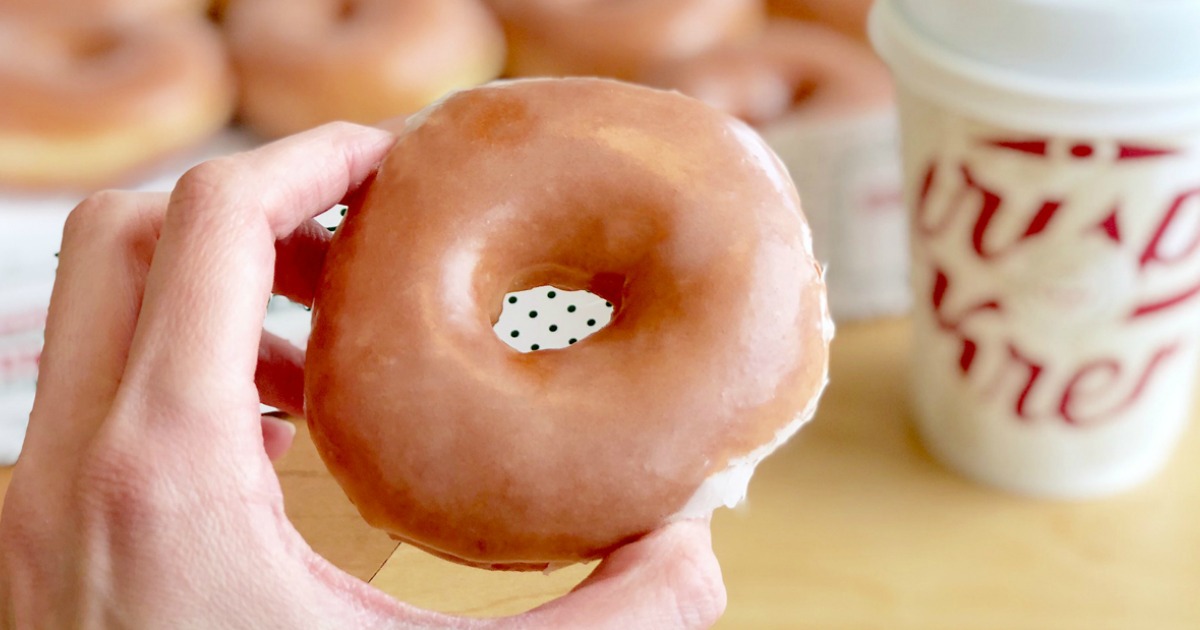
423,580
324,516
853,526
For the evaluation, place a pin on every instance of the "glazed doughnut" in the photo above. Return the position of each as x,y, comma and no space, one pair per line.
305,62
847,16
102,11
84,108
617,39
794,69
677,214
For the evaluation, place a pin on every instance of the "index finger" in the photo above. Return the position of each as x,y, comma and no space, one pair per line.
196,344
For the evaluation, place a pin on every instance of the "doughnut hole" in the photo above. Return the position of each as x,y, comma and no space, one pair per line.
550,318
793,68
735,81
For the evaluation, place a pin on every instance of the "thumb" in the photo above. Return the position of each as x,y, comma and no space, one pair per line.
669,579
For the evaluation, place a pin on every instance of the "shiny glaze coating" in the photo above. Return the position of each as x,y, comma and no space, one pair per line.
793,69
84,106
617,39
846,16
302,63
447,438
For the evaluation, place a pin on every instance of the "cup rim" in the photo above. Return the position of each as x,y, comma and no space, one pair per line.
1010,97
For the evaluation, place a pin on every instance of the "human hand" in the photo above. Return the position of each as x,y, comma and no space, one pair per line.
145,496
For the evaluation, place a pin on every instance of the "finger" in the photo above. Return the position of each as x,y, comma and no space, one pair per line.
108,243
394,125
277,434
299,258
207,290
279,375
669,579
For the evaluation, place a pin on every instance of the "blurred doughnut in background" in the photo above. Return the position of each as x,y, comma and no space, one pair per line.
826,105
618,39
793,69
89,105
105,11
301,63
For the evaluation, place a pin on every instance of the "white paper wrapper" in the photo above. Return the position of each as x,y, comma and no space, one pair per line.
1057,311
848,173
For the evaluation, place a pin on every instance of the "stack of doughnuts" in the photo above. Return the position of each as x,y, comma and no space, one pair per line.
98,92
300,63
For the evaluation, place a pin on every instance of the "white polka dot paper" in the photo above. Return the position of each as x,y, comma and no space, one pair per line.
547,318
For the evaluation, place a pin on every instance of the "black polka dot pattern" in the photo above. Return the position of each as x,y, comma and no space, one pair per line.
551,319
331,218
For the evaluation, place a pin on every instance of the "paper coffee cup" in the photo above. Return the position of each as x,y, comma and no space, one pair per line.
1055,239
848,173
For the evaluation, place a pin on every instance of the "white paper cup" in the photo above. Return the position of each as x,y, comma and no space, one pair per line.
848,172
1055,209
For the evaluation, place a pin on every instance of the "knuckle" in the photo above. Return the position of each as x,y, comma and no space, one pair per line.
206,190
112,218
101,211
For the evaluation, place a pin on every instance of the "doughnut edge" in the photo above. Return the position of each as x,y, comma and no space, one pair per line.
730,486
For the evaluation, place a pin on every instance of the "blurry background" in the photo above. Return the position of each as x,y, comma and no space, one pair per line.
851,525
130,93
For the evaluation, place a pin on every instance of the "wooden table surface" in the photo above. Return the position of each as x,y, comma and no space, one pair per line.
853,526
